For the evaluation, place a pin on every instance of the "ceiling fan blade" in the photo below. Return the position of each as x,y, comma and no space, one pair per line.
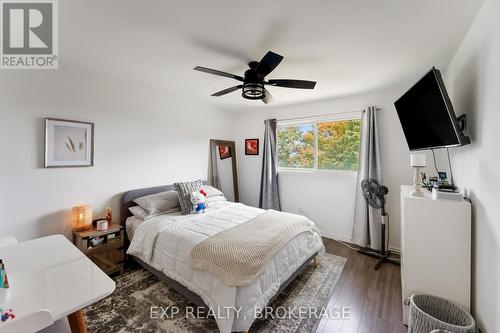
268,98
268,63
227,91
216,72
300,84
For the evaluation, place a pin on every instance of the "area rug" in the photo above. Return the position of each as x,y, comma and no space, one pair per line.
128,308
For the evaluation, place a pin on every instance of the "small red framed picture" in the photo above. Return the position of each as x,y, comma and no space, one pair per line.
251,146
224,152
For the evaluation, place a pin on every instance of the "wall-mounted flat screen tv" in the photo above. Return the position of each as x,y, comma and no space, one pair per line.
427,117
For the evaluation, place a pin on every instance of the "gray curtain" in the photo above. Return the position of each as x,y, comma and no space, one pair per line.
269,192
366,228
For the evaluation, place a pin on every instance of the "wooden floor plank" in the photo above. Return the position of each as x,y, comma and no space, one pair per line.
374,297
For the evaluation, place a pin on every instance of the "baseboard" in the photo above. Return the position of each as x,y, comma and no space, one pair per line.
395,250
341,238
336,237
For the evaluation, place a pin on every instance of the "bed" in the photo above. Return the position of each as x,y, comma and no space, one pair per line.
163,245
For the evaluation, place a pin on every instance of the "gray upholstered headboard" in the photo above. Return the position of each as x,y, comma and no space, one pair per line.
129,196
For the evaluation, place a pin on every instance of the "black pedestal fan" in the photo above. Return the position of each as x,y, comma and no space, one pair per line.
374,194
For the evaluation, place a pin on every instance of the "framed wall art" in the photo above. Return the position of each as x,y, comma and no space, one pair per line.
251,146
224,152
68,143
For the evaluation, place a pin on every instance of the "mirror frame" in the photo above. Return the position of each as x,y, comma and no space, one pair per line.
213,159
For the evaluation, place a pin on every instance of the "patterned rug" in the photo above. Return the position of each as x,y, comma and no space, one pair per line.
128,308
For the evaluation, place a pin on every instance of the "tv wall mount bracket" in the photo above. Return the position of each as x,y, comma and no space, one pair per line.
462,123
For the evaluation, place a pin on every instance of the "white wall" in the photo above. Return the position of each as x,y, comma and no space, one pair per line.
325,197
143,137
328,197
473,82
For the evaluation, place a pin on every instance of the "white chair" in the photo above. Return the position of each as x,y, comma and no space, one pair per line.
59,326
28,324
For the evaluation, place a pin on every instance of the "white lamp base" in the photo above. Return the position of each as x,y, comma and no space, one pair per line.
417,193
417,183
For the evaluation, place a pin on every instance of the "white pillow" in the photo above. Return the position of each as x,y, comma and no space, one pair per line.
159,202
138,212
212,191
216,198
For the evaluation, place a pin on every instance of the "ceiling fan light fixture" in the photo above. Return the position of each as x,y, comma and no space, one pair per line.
254,79
253,91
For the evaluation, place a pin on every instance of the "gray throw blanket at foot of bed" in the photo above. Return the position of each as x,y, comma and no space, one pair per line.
239,254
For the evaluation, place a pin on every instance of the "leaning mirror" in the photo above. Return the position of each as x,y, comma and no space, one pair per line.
223,174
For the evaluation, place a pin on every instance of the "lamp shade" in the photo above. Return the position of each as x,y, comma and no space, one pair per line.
82,217
417,160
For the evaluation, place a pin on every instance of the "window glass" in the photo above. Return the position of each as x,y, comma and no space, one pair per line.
326,145
296,146
338,145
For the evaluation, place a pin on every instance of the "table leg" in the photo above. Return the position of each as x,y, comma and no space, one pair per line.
77,322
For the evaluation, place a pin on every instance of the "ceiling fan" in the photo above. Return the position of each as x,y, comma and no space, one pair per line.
253,81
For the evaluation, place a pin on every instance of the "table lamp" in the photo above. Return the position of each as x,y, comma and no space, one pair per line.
417,162
82,217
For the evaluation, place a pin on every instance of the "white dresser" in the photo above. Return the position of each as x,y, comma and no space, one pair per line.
435,248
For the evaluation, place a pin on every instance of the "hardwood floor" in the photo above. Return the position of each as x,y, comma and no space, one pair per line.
374,297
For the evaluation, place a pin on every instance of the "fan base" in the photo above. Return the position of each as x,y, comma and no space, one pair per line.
382,256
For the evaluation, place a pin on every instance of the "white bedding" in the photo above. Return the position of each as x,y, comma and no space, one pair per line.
165,242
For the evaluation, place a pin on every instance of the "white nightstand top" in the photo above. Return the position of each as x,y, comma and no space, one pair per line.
49,274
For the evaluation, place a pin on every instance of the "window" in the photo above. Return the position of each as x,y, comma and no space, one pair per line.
321,145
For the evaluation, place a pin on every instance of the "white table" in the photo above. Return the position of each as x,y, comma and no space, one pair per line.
49,279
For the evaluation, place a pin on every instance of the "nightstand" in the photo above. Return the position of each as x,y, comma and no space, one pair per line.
104,247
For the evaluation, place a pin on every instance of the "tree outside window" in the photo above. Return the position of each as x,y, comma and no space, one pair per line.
327,145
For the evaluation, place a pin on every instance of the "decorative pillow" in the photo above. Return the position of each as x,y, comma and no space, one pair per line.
159,202
138,212
184,190
211,191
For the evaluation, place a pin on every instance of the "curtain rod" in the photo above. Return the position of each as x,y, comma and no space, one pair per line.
325,115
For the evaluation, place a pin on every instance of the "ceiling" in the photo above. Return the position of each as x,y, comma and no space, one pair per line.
348,47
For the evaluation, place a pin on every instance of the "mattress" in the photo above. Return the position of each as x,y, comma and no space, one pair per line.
165,243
